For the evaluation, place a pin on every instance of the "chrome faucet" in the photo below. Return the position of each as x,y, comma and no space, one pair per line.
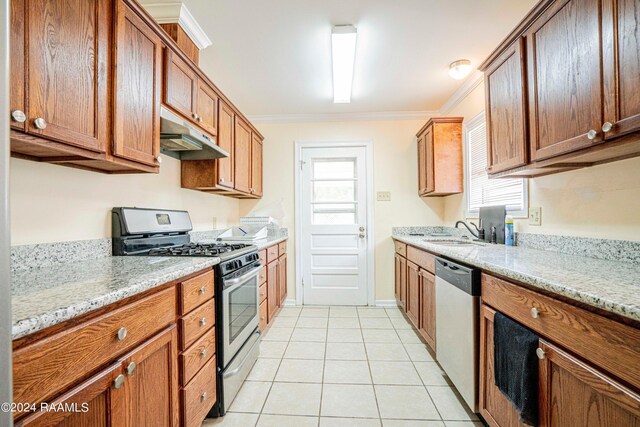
479,234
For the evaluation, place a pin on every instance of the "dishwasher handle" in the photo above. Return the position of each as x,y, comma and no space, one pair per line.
461,276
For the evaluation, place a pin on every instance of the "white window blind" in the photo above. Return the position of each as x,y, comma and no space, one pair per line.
482,191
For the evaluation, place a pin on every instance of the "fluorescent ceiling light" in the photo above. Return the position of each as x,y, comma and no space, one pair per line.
460,69
343,55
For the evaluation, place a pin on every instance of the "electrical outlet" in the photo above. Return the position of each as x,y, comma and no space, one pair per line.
384,196
535,216
215,222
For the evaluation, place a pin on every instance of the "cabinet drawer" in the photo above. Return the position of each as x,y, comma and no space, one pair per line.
263,292
196,323
272,254
401,248
611,345
196,291
263,257
282,248
199,395
424,259
42,369
263,315
263,274
197,355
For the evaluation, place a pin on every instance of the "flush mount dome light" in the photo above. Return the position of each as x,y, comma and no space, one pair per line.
343,55
460,69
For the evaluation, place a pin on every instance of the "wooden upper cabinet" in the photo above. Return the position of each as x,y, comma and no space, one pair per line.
17,56
67,71
242,156
226,127
256,165
621,60
565,78
138,79
440,157
180,85
207,107
507,133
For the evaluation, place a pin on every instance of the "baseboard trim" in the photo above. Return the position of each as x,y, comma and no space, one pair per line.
386,303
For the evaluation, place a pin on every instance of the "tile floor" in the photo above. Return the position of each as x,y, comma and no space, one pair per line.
345,366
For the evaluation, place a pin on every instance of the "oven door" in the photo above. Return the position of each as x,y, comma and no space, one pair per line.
239,311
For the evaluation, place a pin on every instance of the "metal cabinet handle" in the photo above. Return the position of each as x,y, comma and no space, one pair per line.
199,119
195,116
203,321
122,333
131,369
203,353
221,179
159,159
535,313
40,123
203,397
119,381
18,116
540,353
607,126
203,290
592,134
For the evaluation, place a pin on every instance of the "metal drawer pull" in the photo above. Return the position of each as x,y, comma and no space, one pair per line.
592,134
203,321
18,116
122,333
203,353
540,353
159,159
535,313
204,396
40,123
203,290
131,369
607,126
119,381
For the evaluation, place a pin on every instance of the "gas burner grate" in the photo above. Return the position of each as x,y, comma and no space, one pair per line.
197,249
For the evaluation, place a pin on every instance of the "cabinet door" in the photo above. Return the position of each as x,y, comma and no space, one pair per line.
428,307
495,408
67,57
256,165
242,156
565,78
422,162
282,278
99,404
16,73
136,108
396,281
507,137
621,66
152,381
430,185
179,85
272,290
207,107
413,292
573,393
226,125
403,283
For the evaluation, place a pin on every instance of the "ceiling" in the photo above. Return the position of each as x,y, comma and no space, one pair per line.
273,57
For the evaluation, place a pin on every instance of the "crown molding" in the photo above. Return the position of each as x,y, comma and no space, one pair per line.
472,82
341,117
171,13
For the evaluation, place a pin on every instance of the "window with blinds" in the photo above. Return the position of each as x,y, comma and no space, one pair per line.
482,191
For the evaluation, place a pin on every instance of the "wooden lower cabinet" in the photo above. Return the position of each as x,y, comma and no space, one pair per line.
413,293
401,280
427,326
282,278
272,290
264,317
274,262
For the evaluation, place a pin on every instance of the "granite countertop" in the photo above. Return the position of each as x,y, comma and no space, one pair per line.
613,286
50,295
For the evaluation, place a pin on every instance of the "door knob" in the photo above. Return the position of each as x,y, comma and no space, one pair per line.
607,126
18,116
362,229
592,134
40,123
362,235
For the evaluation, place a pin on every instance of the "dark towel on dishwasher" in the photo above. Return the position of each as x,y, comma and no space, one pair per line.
516,366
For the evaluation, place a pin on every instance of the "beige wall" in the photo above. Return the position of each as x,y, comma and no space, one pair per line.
395,170
51,203
600,201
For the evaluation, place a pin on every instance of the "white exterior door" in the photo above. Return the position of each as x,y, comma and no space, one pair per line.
333,225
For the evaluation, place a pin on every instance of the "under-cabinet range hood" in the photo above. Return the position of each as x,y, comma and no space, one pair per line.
181,140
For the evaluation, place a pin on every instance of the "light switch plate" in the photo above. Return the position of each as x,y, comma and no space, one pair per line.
535,216
384,196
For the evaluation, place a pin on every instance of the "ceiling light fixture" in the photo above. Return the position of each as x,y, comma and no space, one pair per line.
460,69
343,55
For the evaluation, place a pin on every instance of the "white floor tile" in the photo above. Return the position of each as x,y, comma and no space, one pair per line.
314,312
349,422
346,400
251,397
401,323
431,374
284,322
389,336
394,373
394,313
371,312
305,350
375,323
411,423
312,322
463,424
405,402
309,335
290,312
346,372
267,420
418,352
264,370
450,406
409,337
293,399
278,334
344,335
272,349
300,371
388,352
343,312
232,419
344,323
345,351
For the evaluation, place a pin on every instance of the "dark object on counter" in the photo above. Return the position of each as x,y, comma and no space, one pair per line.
516,366
493,216
479,234
494,236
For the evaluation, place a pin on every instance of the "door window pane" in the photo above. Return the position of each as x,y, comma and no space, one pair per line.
334,168
334,191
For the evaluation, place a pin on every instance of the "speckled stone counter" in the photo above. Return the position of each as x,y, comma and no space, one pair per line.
47,296
610,285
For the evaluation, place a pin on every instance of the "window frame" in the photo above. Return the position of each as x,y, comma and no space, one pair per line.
475,121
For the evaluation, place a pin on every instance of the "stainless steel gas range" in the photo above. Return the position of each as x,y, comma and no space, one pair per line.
156,232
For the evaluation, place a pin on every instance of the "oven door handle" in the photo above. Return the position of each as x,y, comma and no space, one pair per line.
244,359
242,278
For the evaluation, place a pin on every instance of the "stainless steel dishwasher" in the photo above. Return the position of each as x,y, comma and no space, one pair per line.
457,310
